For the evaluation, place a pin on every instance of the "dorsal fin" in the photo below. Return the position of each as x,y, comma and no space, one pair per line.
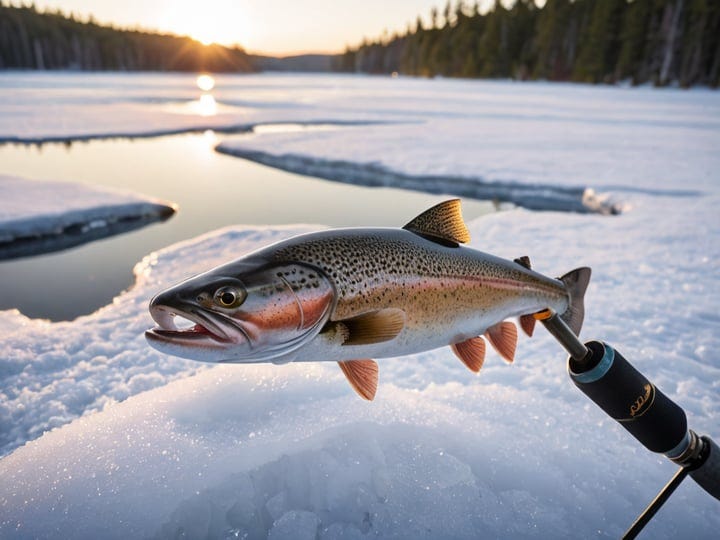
471,352
373,327
524,261
362,376
443,222
503,338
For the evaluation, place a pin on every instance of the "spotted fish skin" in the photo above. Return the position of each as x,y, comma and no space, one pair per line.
448,294
354,295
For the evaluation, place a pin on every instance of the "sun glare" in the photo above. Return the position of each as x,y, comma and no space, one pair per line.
207,106
205,82
206,36
185,17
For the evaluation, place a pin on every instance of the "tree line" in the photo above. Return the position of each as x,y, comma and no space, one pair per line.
595,41
30,39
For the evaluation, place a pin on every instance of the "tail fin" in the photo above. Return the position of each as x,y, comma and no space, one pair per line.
576,282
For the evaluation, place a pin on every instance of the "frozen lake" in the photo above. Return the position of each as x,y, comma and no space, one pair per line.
212,190
102,436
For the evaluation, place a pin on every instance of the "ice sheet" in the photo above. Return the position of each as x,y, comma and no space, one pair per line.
37,107
33,210
149,445
527,455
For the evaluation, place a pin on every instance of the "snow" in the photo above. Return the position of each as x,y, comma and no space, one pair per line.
37,209
105,437
36,107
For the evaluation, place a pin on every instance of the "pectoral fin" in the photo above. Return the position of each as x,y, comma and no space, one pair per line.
503,338
374,327
362,376
471,352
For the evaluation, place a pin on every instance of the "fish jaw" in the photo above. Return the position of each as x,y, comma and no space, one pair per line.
210,339
279,308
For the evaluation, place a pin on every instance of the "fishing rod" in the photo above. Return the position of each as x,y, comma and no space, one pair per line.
624,393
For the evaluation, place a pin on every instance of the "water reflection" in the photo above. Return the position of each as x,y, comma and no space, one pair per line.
206,105
212,191
77,235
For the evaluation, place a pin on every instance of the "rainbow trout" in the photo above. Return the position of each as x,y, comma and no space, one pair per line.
353,295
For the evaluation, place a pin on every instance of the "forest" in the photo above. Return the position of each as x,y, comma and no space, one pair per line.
30,39
660,42
593,41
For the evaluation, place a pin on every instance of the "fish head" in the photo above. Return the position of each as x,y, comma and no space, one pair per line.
245,311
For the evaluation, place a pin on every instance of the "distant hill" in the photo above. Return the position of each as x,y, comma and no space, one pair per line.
596,41
304,62
30,39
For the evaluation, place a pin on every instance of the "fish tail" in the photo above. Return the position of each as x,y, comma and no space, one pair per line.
576,282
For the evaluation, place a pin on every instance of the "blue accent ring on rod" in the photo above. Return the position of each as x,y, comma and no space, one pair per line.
599,371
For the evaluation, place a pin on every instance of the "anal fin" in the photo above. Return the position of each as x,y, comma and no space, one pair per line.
471,352
362,376
527,323
374,327
503,338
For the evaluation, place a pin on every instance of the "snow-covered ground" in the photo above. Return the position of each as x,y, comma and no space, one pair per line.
152,446
55,214
38,107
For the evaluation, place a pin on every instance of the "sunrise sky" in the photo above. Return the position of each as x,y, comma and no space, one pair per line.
277,27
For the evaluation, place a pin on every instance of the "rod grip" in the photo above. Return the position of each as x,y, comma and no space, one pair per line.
707,475
628,397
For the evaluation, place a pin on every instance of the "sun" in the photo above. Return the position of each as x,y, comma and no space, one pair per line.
205,25
210,32
205,82
203,36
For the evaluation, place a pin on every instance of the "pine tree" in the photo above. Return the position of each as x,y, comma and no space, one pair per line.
583,40
599,53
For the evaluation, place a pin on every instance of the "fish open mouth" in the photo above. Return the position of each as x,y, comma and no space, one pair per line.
177,326
196,331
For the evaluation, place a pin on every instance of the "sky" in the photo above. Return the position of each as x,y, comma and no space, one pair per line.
276,27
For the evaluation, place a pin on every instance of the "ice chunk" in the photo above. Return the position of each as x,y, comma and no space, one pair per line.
42,216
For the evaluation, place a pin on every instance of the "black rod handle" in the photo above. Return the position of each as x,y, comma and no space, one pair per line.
627,396
707,470
624,393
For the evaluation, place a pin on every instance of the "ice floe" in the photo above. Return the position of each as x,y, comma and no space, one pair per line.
39,216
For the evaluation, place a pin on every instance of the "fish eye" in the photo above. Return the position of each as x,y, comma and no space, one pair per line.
229,297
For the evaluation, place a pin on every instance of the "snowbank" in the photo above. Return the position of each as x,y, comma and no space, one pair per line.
40,216
52,373
532,196
542,146
252,450
289,453
106,437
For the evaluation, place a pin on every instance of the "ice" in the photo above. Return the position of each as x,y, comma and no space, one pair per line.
38,216
533,144
294,525
105,437
51,373
37,108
